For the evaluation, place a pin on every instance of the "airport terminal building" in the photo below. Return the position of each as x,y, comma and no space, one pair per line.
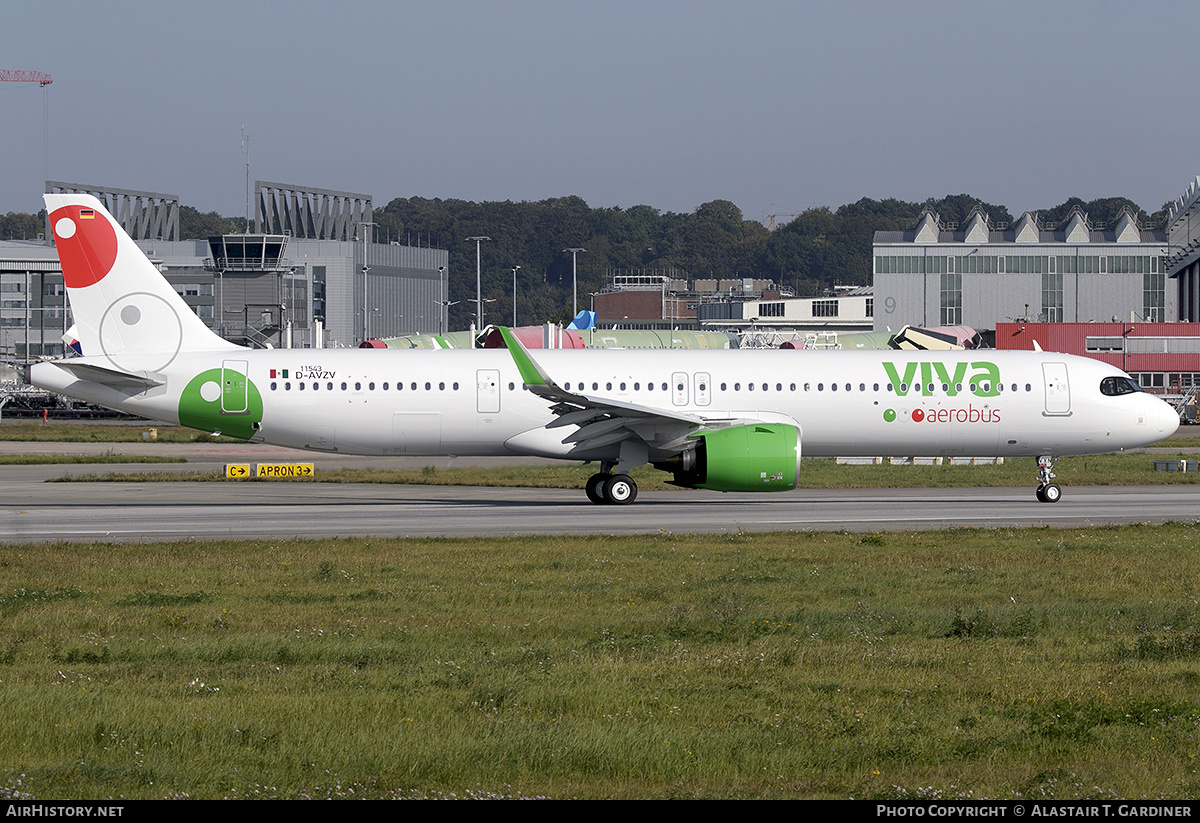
310,274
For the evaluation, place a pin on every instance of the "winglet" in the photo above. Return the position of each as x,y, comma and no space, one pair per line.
531,373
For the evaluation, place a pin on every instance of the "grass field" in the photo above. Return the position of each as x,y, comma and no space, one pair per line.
81,459
37,432
966,663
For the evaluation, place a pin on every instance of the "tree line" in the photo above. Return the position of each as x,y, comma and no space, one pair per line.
816,250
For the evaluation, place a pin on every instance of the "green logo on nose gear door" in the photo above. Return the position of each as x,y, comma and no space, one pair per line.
221,400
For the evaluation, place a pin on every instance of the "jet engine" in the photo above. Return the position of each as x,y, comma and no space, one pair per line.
752,458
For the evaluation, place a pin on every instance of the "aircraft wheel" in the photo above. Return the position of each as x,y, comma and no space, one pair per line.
595,487
620,489
1050,493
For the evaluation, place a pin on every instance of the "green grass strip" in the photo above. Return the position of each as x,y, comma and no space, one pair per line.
967,663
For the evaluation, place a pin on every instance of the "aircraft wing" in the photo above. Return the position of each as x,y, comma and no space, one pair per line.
604,421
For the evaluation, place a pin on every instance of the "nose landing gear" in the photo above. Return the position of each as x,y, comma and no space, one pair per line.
1047,492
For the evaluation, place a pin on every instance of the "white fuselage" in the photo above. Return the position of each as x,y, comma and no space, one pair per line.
472,402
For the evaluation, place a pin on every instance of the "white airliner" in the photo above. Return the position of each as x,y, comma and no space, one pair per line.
729,420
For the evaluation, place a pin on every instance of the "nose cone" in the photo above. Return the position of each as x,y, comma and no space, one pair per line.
1168,418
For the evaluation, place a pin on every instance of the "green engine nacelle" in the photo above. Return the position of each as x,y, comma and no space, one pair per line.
764,457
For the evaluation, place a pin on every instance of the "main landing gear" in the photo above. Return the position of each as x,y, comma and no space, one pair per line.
1047,492
618,489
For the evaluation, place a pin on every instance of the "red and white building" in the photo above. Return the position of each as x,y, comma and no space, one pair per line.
1163,357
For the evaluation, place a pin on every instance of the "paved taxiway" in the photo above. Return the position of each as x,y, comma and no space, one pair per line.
32,510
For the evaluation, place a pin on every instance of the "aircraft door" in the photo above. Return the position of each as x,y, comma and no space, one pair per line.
702,388
487,391
679,388
235,390
1058,390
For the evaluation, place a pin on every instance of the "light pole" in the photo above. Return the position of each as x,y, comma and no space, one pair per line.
444,302
514,270
365,268
478,290
574,282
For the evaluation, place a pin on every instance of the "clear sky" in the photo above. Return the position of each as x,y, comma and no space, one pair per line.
666,103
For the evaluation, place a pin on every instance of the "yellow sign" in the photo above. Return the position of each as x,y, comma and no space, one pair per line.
237,470
285,469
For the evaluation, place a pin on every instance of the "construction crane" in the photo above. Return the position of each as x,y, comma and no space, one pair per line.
772,214
42,80
25,77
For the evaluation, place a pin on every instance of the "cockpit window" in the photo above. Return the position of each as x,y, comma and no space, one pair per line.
1113,386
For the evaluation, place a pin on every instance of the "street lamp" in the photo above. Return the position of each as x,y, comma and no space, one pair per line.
478,290
514,270
574,282
445,304
365,268
481,302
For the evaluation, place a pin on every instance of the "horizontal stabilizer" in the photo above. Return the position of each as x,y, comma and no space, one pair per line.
108,377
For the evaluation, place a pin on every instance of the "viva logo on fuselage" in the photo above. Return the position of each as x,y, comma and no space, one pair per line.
980,378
